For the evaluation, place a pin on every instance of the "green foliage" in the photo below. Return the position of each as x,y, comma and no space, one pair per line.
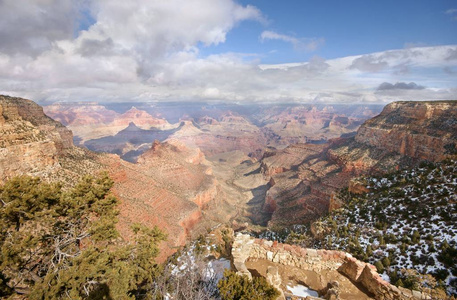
57,243
402,217
379,266
234,286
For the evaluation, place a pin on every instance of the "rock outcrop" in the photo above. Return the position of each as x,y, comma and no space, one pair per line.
423,130
312,123
229,132
246,248
139,117
34,144
90,120
169,187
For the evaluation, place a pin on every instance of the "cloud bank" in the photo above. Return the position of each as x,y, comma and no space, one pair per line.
400,86
138,50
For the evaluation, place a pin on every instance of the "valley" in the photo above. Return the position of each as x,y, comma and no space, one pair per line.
260,170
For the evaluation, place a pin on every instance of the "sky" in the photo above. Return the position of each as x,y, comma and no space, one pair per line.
354,51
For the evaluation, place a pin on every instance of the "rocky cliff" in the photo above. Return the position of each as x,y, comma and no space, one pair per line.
423,130
170,186
306,177
230,132
34,144
90,120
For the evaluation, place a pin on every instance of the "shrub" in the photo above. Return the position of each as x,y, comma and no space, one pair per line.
379,266
234,286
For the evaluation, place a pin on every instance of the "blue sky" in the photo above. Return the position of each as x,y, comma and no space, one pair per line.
348,27
229,50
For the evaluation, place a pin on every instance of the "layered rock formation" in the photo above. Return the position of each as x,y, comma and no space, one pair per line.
423,130
215,129
82,113
304,178
140,118
130,142
170,186
302,124
34,144
90,120
229,132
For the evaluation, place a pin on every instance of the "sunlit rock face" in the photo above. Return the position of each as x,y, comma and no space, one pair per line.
31,143
424,130
169,187
305,178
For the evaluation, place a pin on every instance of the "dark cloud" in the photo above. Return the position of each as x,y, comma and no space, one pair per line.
386,86
92,47
369,63
31,27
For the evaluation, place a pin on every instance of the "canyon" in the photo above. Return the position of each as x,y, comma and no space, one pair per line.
213,128
253,167
152,192
304,178
237,155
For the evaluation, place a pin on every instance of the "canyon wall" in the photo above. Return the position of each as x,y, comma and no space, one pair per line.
30,142
305,178
423,130
169,187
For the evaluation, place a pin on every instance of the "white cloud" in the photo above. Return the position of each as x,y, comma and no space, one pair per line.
149,50
301,44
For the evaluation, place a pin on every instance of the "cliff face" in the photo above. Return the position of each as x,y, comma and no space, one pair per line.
307,177
90,120
169,187
30,142
230,132
423,130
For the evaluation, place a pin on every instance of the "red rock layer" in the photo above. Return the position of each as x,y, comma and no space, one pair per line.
168,188
307,177
140,117
77,114
423,130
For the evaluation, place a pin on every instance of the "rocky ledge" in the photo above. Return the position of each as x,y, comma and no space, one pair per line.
30,141
246,248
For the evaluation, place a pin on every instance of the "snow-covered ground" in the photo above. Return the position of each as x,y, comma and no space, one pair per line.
301,291
408,220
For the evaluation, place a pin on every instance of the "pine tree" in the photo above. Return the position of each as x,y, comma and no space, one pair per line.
379,266
57,243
